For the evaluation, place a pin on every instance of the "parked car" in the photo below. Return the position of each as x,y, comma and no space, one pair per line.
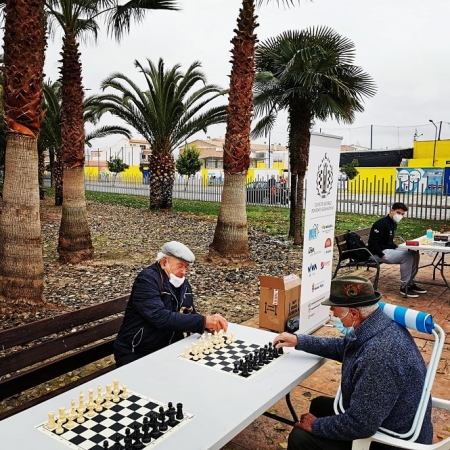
258,192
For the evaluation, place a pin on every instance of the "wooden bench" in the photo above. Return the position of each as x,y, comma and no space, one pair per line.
40,351
345,255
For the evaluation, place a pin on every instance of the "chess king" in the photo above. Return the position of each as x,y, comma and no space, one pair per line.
161,307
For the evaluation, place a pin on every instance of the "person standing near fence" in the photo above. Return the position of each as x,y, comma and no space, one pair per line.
384,250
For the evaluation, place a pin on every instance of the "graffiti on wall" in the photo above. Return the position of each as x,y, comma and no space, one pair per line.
428,181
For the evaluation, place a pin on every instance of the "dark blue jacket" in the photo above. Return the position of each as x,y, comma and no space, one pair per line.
152,317
382,379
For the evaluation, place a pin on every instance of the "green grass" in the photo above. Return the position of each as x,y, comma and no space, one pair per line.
272,220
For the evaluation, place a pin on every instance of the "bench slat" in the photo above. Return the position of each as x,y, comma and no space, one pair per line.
33,355
53,369
26,333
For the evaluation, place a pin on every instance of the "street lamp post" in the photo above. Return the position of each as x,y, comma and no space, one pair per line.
435,137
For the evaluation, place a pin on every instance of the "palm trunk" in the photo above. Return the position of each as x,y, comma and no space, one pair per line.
231,236
75,243
58,180
162,175
21,260
300,122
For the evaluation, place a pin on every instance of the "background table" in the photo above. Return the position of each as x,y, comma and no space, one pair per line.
223,404
438,263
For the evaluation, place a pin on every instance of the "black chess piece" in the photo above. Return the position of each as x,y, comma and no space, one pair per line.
255,365
180,414
281,351
137,444
172,421
128,439
169,407
106,444
155,433
163,425
270,352
244,372
117,445
236,367
162,414
146,438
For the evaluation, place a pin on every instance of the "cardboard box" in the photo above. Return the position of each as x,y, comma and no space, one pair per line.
279,301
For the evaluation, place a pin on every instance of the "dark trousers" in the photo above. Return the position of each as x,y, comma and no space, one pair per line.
302,440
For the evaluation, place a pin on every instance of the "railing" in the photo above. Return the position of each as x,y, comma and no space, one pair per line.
369,197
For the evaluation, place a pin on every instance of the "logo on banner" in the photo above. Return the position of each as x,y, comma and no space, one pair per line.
327,228
312,268
324,264
317,286
313,232
324,178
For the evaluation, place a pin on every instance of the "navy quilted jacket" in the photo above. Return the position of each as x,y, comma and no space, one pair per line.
152,319
382,379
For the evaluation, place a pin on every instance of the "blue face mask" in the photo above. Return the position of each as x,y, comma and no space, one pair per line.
340,326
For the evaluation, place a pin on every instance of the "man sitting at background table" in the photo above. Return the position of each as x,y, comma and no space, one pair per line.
379,388
161,307
384,250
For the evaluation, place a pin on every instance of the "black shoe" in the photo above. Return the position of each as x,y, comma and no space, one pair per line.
416,289
409,294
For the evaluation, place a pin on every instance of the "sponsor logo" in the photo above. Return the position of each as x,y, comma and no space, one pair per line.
313,233
324,177
311,250
316,286
312,268
324,264
328,243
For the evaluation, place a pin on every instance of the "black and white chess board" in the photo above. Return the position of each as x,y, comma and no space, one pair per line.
238,358
123,425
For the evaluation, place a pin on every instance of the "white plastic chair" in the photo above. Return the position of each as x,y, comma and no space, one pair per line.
422,322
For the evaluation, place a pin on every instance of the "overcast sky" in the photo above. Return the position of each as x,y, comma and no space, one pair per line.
403,44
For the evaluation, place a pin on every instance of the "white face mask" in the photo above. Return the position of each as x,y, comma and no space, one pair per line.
176,281
397,217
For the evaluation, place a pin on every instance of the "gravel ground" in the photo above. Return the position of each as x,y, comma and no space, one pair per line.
127,240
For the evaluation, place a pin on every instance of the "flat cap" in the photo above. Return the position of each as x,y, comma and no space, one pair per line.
178,250
352,291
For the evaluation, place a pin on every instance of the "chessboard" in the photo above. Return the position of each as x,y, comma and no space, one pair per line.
118,420
234,356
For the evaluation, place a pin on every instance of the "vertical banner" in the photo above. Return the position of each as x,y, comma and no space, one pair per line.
320,216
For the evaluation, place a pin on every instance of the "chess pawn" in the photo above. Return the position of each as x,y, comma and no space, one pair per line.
80,418
195,352
116,387
70,423
108,396
124,393
51,424
73,409
187,352
59,429
91,411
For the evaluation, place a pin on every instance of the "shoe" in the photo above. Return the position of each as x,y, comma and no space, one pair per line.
417,289
409,294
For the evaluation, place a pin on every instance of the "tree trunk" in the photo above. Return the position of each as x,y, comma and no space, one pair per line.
22,264
75,243
58,180
230,236
21,261
300,123
73,235
162,175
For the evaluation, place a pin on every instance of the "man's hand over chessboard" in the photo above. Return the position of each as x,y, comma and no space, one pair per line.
216,323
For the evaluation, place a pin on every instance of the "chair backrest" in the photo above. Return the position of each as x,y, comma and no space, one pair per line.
422,322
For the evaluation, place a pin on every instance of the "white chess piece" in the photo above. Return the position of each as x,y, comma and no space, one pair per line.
195,352
187,353
62,414
73,409
124,393
108,396
70,423
80,418
59,428
81,405
51,424
116,387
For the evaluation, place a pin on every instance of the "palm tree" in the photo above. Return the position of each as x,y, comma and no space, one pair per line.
77,19
21,260
166,114
230,236
50,136
311,74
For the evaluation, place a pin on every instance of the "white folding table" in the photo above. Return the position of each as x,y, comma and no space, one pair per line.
438,263
222,404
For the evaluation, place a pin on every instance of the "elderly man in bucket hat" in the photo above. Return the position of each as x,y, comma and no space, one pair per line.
161,307
382,373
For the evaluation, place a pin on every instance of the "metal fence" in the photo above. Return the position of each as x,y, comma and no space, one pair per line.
373,197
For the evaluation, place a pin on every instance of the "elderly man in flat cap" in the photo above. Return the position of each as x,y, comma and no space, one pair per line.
161,307
382,373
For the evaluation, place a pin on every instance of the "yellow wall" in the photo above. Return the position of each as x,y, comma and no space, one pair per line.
374,180
423,154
